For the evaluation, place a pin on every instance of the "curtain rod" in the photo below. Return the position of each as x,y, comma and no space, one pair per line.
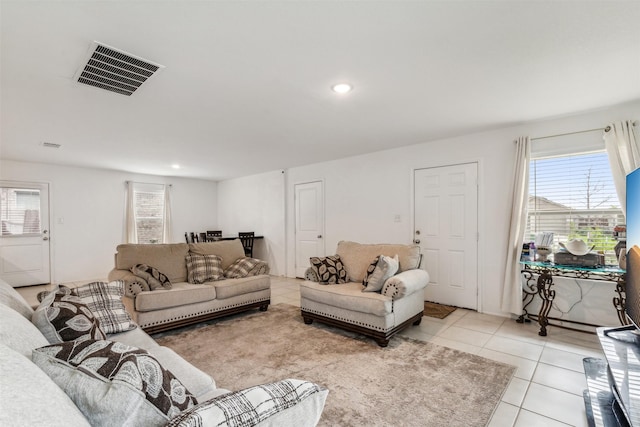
147,183
606,129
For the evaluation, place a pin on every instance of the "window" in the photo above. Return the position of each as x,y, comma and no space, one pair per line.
19,211
149,212
574,197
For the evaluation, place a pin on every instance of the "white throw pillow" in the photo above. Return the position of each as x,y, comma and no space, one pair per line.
385,268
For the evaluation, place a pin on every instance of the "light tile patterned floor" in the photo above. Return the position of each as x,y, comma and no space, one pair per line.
546,389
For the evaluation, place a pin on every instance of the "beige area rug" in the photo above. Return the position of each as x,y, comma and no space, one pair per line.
408,383
433,309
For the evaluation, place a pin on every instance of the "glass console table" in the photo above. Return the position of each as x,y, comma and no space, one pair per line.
542,286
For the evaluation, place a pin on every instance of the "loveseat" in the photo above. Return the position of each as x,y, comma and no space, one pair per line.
65,384
378,310
183,303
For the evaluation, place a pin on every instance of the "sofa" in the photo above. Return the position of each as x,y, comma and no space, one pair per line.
353,291
41,388
183,303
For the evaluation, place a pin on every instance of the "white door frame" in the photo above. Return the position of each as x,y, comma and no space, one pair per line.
295,220
481,219
45,223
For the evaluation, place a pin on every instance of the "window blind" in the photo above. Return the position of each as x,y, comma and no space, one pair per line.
574,197
19,211
149,212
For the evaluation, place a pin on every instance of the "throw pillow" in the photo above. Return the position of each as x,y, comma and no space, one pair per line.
253,405
370,270
245,267
152,275
203,268
105,302
114,384
329,269
64,317
385,267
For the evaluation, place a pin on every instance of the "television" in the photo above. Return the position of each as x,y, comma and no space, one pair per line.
632,303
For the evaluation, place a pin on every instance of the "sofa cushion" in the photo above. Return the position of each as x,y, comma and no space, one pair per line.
11,298
114,384
356,257
154,277
348,296
228,250
169,257
203,268
62,316
30,397
19,333
232,287
105,302
255,405
384,268
245,267
329,269
182,293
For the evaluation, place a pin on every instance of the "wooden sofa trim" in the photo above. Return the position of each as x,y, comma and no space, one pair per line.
382,338
152,329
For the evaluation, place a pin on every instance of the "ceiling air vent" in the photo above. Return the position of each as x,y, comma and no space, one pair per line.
114,70
51,145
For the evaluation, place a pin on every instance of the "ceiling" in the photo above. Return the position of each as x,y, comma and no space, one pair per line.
246,85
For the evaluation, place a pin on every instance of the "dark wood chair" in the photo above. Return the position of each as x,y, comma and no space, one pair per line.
194,237
214,235
247,242
186,237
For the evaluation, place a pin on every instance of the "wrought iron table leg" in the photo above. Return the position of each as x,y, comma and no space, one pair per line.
529,290
545,282
620,300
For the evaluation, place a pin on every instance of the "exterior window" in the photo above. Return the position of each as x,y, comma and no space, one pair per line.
149,212
575,198
19,211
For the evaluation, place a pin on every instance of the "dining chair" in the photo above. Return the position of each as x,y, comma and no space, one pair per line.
213,235
186,237
194,237
247,242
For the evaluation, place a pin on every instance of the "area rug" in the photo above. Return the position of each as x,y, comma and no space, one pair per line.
433,309
408,383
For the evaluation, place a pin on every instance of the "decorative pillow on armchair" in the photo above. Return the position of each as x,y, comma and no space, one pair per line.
114,384
329,269
62,316
152,275
379,271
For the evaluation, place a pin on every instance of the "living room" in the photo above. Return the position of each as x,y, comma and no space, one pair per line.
368,188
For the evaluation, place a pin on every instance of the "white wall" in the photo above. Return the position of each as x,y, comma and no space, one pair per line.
256,203
90,203
363,194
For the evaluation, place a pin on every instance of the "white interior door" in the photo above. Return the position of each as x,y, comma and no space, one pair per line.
309,205
446,227
24,236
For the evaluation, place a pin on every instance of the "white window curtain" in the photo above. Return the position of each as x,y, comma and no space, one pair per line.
132,232
623,150
512,286
166,228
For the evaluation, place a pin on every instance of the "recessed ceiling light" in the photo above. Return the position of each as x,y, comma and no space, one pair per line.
175,166
342,88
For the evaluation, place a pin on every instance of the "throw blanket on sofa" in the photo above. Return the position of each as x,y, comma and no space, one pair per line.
152,276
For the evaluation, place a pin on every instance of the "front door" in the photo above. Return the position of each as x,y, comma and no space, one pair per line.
309,205
24,236
446,227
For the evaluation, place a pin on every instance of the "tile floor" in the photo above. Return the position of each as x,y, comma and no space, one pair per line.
546,389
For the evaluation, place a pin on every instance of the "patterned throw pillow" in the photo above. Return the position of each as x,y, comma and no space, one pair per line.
245,267
114,384
62,316
152,275
253,405
203,268
329,269
384,268
105,302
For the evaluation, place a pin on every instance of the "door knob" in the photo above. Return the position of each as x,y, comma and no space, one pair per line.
319,236
416,241
45,238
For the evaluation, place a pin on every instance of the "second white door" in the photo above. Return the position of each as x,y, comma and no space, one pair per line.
309,205
446,227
